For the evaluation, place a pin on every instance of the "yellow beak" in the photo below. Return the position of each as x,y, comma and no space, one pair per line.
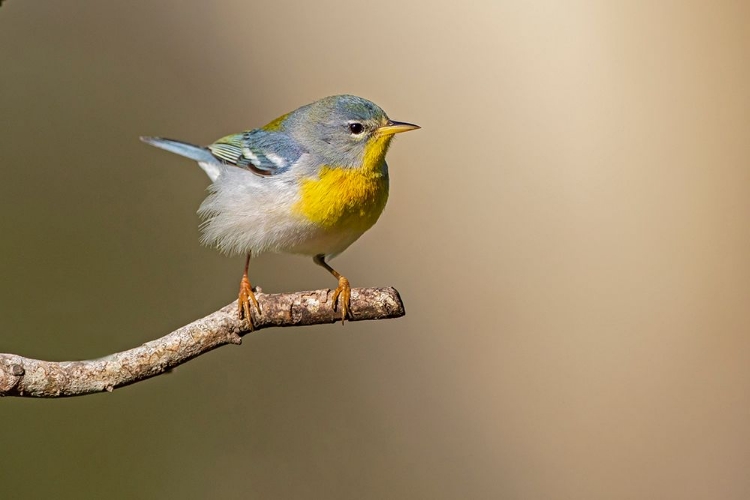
393,127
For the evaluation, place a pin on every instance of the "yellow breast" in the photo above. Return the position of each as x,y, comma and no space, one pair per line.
349,199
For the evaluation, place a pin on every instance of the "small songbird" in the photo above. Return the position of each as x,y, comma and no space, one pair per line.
311,182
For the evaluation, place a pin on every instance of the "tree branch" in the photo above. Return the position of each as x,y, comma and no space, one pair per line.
21,376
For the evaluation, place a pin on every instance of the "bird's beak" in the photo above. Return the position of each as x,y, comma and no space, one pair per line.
392,127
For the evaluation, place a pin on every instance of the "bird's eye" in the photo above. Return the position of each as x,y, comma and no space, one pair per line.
356,128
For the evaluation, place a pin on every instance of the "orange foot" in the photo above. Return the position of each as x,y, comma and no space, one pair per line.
341,298
243,302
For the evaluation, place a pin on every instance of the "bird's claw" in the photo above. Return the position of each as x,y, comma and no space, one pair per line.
342,298
243,302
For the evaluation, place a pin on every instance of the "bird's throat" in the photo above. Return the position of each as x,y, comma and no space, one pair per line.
374,154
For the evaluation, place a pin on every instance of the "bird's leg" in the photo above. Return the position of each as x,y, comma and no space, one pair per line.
246,295
343,292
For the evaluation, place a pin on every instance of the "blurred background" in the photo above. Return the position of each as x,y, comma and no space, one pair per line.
569,232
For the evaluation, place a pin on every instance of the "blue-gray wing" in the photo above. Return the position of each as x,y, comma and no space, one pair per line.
263,153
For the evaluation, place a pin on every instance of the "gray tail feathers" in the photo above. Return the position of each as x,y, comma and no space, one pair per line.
197,153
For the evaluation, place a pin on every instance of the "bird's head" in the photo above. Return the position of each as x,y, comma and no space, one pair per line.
345,131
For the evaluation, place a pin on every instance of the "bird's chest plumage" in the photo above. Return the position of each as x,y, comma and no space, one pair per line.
344,199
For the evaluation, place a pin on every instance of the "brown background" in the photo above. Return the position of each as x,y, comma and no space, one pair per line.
569,231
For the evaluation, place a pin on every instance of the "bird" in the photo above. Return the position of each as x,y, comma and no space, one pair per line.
310,182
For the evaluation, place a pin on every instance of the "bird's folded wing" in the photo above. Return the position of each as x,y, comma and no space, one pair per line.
263,153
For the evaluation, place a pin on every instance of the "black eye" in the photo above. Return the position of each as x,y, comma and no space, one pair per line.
356,128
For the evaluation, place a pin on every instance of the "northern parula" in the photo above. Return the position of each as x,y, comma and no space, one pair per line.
310,182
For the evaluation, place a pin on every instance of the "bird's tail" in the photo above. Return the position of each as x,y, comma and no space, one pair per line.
185,149
208,162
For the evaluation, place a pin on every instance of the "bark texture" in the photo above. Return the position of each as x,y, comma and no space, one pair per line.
27,377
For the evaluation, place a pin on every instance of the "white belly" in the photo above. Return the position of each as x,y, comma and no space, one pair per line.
246,213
